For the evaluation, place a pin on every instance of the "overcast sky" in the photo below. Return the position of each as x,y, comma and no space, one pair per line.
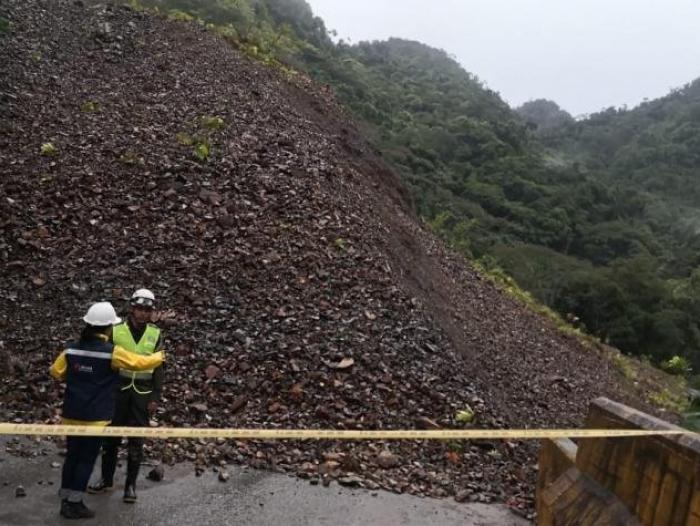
585,55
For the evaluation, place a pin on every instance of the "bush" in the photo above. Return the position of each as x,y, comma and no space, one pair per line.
90,107
213,123
677,365
180,16
48,149
201,151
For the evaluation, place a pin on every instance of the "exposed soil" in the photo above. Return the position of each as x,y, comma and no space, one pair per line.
297,287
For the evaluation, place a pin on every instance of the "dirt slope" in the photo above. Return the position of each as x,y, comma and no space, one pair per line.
287,251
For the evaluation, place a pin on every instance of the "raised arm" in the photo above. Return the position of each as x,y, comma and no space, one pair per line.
123,359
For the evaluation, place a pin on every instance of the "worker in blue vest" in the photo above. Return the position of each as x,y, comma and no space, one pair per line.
139,392
90,369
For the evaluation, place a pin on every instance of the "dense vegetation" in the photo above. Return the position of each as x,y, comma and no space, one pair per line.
598,218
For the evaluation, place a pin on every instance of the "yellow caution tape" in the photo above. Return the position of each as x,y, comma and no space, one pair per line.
329,434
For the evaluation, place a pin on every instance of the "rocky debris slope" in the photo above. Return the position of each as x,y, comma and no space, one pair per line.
297,288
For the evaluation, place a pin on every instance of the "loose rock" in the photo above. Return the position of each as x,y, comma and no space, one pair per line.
292,271
157,473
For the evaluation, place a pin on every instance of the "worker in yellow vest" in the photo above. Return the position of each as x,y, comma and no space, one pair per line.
90,366
139,392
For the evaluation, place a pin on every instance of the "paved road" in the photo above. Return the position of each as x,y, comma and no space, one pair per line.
250,497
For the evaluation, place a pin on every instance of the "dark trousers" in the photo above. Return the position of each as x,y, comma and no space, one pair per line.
131,410
80,459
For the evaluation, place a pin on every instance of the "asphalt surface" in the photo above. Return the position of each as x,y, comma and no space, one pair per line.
250,497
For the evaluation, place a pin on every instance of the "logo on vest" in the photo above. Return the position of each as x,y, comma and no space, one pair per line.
80,368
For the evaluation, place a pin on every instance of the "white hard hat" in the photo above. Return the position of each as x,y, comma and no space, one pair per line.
143,297
101,314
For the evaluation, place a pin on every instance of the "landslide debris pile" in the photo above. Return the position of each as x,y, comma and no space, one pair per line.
297,290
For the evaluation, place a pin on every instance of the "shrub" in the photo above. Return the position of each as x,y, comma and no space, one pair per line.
89,107
201,151
213,123
180,16
48,149
677,365
185,139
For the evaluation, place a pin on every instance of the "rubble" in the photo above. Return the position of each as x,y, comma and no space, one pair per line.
297,288
387,459
157,473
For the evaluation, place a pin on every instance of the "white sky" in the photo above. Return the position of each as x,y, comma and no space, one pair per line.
585,55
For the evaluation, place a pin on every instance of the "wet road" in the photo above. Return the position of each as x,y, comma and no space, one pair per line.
250,497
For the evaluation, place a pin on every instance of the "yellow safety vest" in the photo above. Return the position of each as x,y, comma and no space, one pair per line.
121,335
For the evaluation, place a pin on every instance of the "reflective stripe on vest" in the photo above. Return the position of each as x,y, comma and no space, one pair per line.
121,335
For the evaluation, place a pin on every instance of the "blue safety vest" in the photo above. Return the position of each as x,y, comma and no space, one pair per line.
91,383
